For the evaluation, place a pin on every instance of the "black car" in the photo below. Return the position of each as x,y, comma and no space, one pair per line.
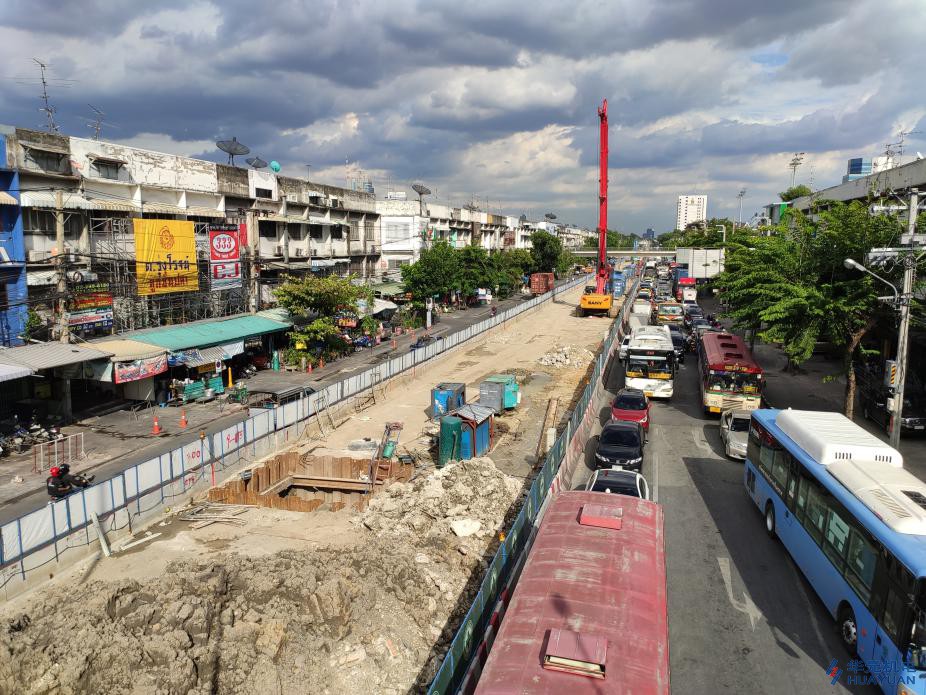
621,445
680,343
874,397
619,483
424,341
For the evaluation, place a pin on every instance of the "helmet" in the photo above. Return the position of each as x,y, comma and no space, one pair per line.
55,471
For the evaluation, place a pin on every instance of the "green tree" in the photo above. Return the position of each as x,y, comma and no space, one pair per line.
477,269
795,286
321,299
616,240
436,272
34,326
567,259
798,191
546,250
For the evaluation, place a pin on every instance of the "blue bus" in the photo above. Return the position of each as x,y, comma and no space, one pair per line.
854,521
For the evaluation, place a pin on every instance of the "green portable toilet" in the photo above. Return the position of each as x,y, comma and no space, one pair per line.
451,433
512,395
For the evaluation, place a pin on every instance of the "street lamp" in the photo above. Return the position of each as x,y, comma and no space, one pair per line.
897,405
724,228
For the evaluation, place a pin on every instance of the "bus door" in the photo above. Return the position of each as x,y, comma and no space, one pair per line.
790,494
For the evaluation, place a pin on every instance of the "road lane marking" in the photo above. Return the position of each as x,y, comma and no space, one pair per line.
655,477
746,605
698,436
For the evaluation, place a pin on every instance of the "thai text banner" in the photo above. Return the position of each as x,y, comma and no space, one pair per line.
165,256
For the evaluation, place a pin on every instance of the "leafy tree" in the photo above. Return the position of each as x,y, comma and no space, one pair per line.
34,326
546,250
567,259
795,286
519,260
616,240
436,272
476,269
798,191
320,299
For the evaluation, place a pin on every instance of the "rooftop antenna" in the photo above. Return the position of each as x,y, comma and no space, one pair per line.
233,148
256,162
901,137
796,161
47,109
97,125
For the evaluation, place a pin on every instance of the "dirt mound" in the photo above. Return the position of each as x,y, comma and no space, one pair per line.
562,356
364,618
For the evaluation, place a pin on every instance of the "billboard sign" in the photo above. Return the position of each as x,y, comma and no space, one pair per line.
165,256
139,369
225,256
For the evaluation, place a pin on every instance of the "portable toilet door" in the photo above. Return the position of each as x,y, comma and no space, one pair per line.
483,437
451,429
467,439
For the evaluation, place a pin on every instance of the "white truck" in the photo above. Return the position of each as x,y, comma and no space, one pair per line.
650,364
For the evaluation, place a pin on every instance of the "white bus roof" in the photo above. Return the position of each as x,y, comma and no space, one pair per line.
830,437
867,467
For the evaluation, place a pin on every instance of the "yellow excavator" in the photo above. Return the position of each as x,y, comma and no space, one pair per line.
598,299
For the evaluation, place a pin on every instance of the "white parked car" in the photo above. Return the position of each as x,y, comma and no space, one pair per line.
618,482
734,432
622,350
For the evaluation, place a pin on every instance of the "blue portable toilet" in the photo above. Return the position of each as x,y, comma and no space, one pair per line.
478,433
445,397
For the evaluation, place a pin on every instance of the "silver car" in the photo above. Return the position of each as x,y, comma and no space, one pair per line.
734,432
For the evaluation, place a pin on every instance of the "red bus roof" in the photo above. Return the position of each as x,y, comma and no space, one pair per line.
728,352
687,282
597,585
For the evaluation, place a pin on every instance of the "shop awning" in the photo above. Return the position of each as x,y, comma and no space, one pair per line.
8,372
322,263
128,350
209,355
75,201
49,355
106,158
7,199
207,333
389,289
43,147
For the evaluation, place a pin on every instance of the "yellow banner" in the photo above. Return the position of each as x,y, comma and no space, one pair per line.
165,256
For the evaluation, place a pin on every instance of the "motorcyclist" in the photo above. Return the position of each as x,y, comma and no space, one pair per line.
494,311
56,485
76,479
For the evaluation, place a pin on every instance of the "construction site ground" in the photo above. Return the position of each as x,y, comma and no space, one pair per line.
327,602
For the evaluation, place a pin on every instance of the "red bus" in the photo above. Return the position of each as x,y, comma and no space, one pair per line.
729,377
588,614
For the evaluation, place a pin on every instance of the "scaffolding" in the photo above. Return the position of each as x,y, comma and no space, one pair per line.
112,243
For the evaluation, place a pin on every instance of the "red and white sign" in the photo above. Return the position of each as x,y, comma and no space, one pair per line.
225,256
224,242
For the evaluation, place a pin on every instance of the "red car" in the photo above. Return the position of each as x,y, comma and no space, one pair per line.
631,405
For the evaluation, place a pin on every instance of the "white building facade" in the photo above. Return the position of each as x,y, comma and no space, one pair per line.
691,209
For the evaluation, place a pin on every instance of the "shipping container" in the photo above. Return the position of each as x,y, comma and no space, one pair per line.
511,396
446,397
541,283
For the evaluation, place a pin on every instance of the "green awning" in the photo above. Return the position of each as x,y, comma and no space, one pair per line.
207,333
389,289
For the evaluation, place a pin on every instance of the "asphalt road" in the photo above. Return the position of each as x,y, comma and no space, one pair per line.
741,616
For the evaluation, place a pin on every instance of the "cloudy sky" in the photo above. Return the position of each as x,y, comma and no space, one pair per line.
492,98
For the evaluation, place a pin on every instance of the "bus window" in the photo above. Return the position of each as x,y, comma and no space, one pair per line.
793,479
802,497
780,468
816,513
894,613
837,534
860,564
755,442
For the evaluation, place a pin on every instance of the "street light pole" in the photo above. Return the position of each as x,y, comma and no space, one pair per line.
906,299
724,228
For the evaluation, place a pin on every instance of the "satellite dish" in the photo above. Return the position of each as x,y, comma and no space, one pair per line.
522,218
256,162
232,148
421,190
550,216
275,165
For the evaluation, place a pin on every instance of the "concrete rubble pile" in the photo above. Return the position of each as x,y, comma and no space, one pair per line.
375,616
562,356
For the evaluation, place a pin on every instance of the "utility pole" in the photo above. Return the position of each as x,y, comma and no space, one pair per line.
906,297
63,330
740,195
253,262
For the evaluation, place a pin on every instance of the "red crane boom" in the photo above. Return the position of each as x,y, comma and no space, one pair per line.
604,272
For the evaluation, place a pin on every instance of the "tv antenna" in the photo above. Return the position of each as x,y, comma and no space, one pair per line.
901,136
97,125
47,109
256,162
233,149
796,161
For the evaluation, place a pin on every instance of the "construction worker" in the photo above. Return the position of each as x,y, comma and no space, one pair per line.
56,485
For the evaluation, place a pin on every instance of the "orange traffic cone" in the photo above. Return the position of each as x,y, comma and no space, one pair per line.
393,344
183,422
309,368
156,428
321,363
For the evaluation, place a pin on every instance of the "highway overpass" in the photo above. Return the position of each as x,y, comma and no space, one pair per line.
625,253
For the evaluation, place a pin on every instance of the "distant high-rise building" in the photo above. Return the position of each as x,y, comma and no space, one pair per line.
650,233
858,167
691,209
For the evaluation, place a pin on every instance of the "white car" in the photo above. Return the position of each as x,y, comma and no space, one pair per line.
618,482
734,432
